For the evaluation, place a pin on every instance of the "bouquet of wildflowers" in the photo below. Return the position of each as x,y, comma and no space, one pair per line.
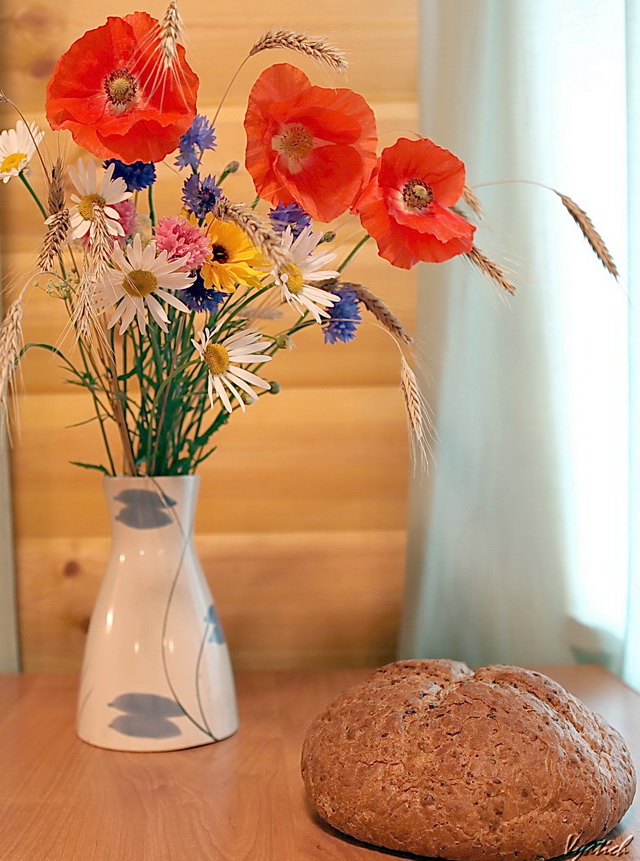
169,311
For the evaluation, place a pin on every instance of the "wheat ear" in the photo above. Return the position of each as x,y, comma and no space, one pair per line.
58,222
419,418
170,32
262,236
379,310
55,186
312,46
473,202
10,344
84,312
489,268
54,239
589,232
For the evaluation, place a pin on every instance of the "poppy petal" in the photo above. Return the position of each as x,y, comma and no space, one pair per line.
422,159
341,135
160,107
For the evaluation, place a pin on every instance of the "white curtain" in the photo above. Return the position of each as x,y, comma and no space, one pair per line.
518,538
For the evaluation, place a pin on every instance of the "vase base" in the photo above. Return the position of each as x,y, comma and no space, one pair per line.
139,745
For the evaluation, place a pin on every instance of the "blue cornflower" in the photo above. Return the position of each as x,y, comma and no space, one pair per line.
289,215
200,136
139,175
201,298
344,316
200,195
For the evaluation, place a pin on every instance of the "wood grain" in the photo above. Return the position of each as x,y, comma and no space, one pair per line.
307,493
325,599
326,459
237,800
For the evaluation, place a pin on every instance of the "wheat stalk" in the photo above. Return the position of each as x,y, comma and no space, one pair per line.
489,268
264,309
10,344
55,192
379,310
54,239
101,247
471,199
170,31
312,46
262,236
84,314
589,232
84,311
419,418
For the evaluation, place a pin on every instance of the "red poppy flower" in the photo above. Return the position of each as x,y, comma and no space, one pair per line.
113,92
308,145
405,205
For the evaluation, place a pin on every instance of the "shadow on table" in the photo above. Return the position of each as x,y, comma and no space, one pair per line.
590,851
345,838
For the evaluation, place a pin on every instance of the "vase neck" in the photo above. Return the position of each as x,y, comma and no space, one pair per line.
149,504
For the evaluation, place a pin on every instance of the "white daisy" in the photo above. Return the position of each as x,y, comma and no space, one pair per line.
91,192
222,359
297,277
141,277
17,147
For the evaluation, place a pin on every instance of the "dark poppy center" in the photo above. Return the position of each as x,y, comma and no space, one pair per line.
220,254
120,87
417,194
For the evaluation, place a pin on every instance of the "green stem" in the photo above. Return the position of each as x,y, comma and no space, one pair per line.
225,173
33,195
152,211
96,406
232,309
173,336
353,253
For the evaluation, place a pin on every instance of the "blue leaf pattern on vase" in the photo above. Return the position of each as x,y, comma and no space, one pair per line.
144,509
146,716
217,634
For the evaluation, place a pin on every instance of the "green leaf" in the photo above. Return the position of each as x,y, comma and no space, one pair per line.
97,466
85,422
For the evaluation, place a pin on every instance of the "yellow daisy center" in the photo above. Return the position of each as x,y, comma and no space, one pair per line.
120,87
296,142
139,282
295,281
217,358
12,162
85,207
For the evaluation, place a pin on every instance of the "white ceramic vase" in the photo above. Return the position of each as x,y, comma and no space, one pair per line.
156,673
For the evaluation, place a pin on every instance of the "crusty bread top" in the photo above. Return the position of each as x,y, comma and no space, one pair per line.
431,758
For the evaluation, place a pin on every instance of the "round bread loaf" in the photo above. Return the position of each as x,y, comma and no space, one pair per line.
431,758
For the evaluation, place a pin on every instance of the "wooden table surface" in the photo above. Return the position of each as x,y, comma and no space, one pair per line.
240,799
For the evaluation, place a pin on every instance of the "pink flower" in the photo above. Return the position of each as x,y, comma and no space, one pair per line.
179,238
126,209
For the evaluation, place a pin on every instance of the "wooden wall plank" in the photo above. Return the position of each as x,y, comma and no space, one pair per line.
379,39
285,599
326,459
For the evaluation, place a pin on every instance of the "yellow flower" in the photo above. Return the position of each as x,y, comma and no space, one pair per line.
234,258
